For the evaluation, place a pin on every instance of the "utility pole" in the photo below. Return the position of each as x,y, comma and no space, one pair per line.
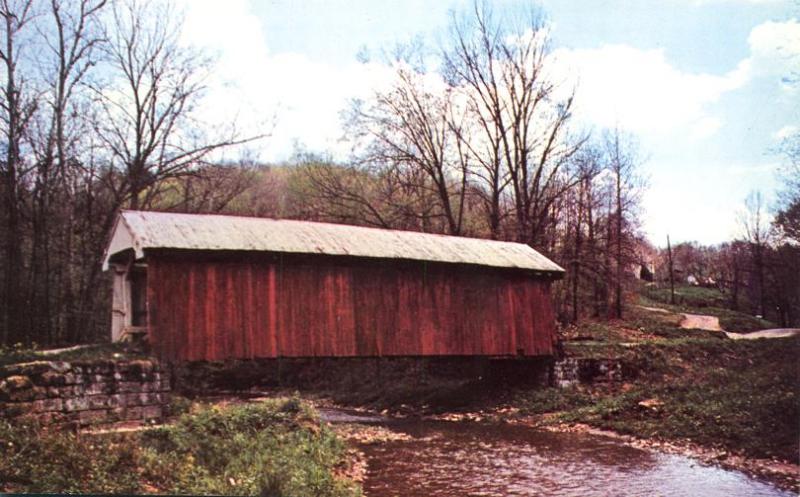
671,274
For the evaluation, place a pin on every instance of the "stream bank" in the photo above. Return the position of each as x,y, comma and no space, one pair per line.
417,456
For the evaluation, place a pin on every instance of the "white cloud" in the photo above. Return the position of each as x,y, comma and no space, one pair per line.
756,2
752,169
786,132
775,52
619,85
705,127
704,212
301,97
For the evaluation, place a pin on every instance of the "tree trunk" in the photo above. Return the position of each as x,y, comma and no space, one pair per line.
620,261
577,254
12,331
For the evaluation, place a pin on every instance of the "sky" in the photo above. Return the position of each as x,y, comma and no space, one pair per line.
705,86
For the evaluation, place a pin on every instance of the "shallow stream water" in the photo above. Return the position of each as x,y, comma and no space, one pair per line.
449,459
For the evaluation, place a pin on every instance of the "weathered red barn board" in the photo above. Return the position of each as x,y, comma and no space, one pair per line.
219,308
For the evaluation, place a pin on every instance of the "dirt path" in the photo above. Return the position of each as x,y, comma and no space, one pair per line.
701,322
654,309
771,333
711,323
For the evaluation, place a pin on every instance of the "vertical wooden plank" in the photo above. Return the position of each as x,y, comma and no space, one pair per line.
187,310
509,312
242,306
366,294
292,284
424,303
405,315
537,331
272,298
153,304
198,311
346,305
178,298
164,310
261,322
192,336
170,289
547,321
249,312
284,314
325,312
525,339
231,325
211,330
360,312
253,317
220,318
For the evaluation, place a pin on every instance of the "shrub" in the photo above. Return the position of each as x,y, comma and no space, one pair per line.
273,448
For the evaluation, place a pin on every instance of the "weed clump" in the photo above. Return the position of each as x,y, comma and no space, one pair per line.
275,448
742,396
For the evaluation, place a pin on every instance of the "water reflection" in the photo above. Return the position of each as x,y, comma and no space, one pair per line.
445,459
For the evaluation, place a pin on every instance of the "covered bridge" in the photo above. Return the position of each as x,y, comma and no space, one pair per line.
213,287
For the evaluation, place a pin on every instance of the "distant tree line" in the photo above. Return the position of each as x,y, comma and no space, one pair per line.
759,271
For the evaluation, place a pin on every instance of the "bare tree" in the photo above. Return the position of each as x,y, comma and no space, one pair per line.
149,121
71,35
621,153
17,107
575,234
370,195
210,188
408,134
755,227
521,138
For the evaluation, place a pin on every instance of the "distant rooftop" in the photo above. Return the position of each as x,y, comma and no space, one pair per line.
140,231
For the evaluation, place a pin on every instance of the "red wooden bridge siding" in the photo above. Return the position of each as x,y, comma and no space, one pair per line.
201,310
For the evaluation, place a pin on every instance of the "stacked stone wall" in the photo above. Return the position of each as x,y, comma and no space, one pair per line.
572,370
83,393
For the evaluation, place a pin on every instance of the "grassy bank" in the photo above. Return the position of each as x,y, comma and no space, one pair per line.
275,448
742,396
710,301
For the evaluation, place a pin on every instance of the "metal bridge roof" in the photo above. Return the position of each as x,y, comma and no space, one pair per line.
139,230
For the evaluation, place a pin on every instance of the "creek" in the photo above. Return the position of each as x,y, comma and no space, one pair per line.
450,459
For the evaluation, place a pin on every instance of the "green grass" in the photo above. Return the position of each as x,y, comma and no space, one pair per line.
699,300
688,296
549,400
275,448
105,351
740,322
665,326
729,320
640,325
743,396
